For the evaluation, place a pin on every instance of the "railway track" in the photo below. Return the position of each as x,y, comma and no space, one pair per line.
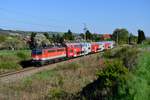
14,72
17,75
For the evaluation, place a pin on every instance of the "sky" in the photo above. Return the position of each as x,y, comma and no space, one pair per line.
99,16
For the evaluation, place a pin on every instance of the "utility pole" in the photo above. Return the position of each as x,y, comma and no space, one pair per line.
84,30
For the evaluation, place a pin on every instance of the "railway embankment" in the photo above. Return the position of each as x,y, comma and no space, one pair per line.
121,73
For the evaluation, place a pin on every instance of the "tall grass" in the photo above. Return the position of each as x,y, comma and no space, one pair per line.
10,60
139,82
61,83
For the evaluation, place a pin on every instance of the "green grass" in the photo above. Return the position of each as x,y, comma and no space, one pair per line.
10,60
137,86
41,75
140,81
143,46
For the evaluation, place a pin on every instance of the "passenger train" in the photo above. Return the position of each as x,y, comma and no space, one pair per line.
70,50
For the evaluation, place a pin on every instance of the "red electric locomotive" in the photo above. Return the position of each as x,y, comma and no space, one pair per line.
46,55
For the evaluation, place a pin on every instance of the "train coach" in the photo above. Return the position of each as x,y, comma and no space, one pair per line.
73,49
86,48
70,50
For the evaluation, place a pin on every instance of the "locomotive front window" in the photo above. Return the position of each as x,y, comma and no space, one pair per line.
37,52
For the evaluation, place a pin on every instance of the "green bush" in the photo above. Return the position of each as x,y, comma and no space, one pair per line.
108,82
129,56
56,93
113,71
107,54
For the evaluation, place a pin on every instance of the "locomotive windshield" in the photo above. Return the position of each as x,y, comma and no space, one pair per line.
36,52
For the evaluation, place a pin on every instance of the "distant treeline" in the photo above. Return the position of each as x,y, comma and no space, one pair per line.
16,40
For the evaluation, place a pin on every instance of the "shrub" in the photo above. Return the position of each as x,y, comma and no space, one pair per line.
113,71
107,54
129,56
56,93
107,84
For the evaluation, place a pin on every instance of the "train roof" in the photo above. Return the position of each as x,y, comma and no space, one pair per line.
49,48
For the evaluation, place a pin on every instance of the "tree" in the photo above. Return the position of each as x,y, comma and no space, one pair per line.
141,36
96,37
120,36
54,38
82,35
132,39
68,36
14,43
32,43
3,38
88,35
46,35
58,39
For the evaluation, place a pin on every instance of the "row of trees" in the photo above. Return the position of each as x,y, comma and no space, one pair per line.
56,39
122,36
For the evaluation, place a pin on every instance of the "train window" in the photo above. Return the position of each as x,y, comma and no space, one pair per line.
51,51
59,50
77,46
37,52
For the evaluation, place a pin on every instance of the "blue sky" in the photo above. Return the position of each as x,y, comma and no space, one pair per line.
100,16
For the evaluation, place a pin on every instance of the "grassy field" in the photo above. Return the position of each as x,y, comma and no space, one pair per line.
65,81
10,60
139,82
119,74
125,76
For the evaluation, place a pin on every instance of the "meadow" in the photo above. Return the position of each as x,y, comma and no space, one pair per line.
10,60
118,74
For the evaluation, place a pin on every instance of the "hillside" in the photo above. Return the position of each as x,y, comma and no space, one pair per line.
20,32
